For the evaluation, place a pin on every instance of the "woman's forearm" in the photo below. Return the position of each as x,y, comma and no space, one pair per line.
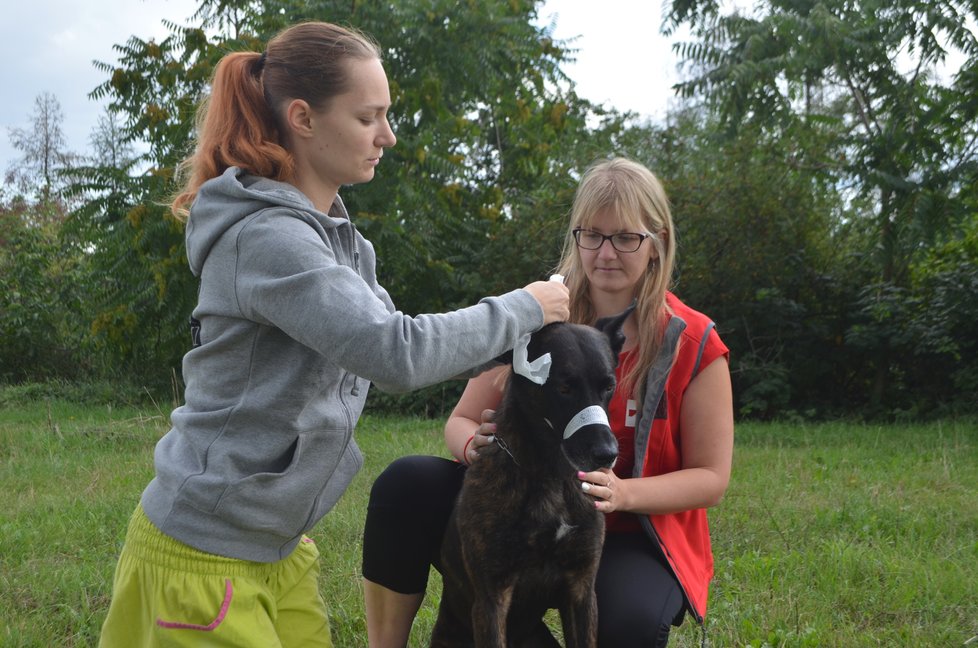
458,430
683,490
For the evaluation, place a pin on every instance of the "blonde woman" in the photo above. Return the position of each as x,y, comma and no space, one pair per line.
672,413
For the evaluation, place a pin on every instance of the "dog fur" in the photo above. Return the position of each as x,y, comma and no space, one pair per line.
524,537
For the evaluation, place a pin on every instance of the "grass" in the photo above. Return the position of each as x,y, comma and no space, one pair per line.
830,535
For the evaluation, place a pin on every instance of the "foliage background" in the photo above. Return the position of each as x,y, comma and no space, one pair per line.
824,192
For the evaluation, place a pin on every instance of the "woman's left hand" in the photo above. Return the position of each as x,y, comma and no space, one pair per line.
604,486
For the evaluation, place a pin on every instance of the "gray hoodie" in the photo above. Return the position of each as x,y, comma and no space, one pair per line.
294,328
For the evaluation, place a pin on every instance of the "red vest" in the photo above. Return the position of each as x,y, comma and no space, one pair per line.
690,342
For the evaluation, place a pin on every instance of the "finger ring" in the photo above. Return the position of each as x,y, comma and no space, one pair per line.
586,487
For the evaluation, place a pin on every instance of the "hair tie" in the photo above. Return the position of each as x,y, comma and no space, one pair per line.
260,65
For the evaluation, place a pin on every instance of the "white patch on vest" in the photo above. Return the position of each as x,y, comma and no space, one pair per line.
563,530
587,416
631,412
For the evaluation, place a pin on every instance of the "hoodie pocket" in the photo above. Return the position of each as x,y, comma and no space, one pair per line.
283,503
350,464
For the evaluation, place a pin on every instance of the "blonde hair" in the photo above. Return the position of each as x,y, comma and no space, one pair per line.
636,196
241,122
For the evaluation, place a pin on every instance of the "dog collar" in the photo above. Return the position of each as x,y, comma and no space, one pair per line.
592,415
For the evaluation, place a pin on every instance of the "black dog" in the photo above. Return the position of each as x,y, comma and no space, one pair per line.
524,537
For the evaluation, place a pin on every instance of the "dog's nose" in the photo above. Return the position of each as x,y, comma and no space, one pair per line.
606,454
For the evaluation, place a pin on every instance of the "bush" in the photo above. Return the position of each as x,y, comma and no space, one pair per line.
83,393
435,402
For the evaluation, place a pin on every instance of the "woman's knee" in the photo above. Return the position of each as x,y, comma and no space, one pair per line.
636,625
410,503
638,597
414,479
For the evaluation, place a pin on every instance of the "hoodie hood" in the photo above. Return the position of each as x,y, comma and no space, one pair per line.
223,201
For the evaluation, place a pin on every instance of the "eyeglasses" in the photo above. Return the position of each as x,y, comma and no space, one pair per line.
622,241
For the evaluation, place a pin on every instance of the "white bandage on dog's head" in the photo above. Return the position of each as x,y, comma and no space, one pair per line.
537,371
592,415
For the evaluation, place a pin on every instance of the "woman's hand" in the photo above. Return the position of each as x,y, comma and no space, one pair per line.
605,487
483,436
554,299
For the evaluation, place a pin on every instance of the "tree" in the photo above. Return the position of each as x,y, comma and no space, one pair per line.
110,145
489,130
754,254
868,75
44,151
39,277
943,335
490,136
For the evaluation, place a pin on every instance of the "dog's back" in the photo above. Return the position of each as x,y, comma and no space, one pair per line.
524,537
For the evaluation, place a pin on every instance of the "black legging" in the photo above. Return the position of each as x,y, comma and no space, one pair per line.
406,518
638,597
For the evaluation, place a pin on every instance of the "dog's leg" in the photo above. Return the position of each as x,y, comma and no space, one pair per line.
453,626
489,613
579,620
539,637
449,632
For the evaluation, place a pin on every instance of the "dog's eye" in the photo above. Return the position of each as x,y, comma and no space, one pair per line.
565,389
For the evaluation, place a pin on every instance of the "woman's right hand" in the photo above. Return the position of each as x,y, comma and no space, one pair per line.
554,299
483,436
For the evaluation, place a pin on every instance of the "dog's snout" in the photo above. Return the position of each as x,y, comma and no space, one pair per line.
592,447
606,453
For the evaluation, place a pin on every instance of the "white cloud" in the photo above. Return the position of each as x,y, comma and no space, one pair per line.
623,61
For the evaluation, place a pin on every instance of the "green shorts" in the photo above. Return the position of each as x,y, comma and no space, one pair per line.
166,593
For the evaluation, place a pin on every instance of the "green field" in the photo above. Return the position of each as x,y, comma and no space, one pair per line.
830,535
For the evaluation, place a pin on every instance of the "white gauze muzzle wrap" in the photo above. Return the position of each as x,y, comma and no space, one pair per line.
592,415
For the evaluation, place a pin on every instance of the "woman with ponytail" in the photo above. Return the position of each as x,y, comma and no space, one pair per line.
290,329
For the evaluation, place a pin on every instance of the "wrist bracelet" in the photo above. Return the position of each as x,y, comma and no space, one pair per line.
465,450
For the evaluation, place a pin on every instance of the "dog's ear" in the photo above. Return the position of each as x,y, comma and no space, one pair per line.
611,327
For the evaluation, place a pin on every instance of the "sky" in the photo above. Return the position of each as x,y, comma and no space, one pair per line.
49,46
